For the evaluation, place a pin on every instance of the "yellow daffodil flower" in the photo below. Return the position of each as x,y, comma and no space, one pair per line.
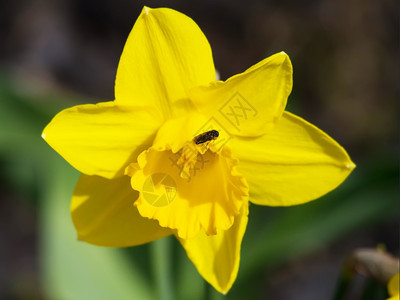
393,287
178,152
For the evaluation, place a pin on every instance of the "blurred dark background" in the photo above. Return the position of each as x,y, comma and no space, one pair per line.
346,81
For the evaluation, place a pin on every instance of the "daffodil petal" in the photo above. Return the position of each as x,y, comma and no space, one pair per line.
166,53
250,103
102,139
393,287
103,213
177,132
293,163
209,199
217,257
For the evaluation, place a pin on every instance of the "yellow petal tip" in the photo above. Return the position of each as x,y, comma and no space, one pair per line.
350,166
43,135
146,10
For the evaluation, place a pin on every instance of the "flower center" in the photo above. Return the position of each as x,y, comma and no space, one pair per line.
204,191
192,153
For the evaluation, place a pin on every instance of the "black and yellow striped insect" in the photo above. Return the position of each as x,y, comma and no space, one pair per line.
206,136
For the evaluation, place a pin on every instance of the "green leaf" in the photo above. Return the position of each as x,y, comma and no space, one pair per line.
189,283
73,269
70,269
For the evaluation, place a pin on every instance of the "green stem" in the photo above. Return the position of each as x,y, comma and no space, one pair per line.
343,285
161,254
213,294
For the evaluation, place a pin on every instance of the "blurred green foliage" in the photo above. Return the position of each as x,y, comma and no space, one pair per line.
161,270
